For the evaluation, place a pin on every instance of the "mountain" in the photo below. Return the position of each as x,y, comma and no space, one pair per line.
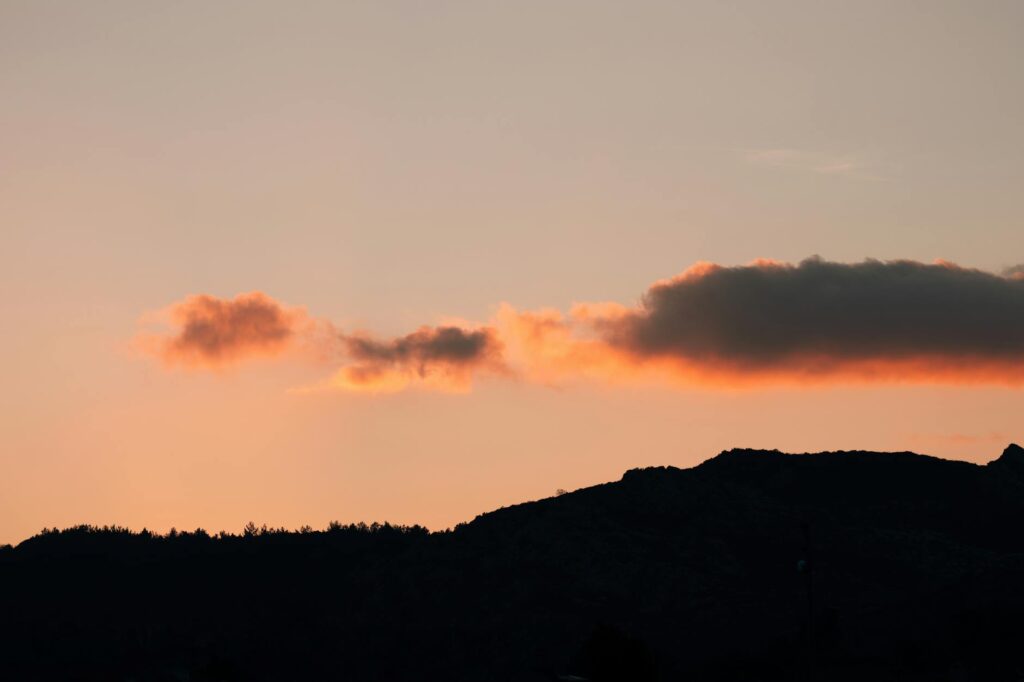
755,565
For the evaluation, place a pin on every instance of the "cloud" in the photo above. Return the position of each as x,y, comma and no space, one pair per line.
206,332
847,165
213,332
818,320
766,323
1014,272
961,440
444,358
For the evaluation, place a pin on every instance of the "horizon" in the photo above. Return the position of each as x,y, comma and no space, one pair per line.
390,261
253,528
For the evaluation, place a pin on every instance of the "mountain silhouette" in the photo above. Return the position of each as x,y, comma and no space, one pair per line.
755,565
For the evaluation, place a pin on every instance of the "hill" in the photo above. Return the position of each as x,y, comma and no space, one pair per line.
755,565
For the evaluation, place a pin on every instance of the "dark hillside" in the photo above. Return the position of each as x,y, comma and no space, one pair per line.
755,565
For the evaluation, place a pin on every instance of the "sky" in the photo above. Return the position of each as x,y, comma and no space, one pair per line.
302,262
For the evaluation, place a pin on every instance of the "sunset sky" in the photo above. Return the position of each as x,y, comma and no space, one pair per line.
414,261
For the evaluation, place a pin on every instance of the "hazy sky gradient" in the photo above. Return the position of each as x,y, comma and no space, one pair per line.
393,164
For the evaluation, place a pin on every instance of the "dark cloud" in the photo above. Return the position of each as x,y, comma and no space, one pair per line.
448,355
775,315
426,346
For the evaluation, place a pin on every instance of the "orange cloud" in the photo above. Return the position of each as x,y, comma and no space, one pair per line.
212,332
550,348
766,323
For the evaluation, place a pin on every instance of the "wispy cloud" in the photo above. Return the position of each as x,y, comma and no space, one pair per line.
1014,272
958,440
846,165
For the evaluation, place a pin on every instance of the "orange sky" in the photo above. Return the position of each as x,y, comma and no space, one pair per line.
464,210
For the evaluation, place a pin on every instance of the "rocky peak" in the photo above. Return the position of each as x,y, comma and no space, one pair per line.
1012,460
